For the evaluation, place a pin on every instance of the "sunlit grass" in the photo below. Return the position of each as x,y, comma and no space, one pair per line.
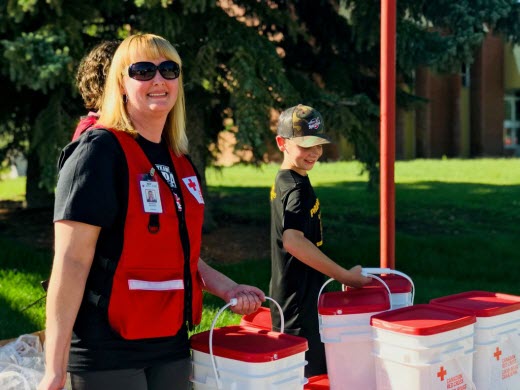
22,268
12,189
501,171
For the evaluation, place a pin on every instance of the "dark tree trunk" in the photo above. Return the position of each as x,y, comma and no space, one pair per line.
36,197
195,128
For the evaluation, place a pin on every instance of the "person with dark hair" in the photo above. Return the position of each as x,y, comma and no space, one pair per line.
298,266
151,196
127,279
90,80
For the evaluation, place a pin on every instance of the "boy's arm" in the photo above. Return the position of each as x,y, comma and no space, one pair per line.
304,250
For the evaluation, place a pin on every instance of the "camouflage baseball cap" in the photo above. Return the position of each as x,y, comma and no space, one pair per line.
303,125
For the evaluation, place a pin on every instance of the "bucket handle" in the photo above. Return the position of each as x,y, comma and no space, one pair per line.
391,271
233,302
370,275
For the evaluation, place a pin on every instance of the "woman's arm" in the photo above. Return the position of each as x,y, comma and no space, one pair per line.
75,244
249,298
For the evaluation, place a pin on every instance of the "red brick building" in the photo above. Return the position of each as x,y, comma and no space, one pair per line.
474,113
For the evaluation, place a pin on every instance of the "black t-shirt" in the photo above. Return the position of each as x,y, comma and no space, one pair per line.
294,285
93,188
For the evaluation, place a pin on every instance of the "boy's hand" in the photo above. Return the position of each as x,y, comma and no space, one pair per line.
354,278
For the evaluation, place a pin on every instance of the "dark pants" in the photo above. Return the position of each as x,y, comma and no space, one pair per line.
168,376
315,356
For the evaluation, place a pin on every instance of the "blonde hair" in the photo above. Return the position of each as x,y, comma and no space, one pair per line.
113,110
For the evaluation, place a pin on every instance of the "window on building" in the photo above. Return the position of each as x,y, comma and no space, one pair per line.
465,75
512,122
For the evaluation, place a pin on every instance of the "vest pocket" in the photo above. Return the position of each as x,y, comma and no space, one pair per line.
146,303
197,298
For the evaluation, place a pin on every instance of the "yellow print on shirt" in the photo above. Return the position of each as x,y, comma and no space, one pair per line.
273,193
315,208
320,243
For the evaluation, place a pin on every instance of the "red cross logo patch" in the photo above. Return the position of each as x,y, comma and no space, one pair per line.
192,184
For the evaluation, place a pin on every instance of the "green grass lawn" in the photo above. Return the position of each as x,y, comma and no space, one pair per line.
457,229
457,221
21,270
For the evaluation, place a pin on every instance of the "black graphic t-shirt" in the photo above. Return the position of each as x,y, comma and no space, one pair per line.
295,285
159,155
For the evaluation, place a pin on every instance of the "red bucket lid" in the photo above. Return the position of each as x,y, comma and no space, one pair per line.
422,320
480,303
319,382
354,301
259,319
249,344
396,283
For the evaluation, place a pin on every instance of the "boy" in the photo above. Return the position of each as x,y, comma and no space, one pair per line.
298,266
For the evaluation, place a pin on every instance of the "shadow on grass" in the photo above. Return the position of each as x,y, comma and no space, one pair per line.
420,208
452,237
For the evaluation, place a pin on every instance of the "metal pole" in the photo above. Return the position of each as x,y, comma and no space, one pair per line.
387,131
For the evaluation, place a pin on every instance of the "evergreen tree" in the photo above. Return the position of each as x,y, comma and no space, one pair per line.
242,58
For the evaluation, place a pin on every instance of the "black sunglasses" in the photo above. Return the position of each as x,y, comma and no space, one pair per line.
144,71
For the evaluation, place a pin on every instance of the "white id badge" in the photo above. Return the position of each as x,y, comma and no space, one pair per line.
150,196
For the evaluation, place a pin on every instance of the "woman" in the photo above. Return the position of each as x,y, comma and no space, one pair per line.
90,80
127,280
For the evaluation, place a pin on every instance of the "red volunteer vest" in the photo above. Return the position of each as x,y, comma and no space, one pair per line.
151,285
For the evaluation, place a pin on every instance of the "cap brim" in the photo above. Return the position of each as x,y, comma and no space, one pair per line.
310,140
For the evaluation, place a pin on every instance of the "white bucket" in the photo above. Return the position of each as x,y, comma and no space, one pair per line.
402,289
247,358
344,320
497,337
423,347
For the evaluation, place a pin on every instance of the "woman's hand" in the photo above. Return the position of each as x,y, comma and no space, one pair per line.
249,298
52,381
